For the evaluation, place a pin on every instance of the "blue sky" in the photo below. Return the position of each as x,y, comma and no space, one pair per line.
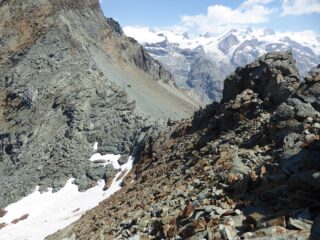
216,16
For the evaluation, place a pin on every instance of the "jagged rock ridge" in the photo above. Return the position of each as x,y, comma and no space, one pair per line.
247,168
69,77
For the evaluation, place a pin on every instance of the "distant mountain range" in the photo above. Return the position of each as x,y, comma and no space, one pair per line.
200,64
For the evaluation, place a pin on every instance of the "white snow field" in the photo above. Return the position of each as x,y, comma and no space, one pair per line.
49,212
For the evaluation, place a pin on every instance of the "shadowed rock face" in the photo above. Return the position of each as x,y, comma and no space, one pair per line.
247,167
274,77
61,65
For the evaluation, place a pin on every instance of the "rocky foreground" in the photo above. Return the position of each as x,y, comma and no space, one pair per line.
247,168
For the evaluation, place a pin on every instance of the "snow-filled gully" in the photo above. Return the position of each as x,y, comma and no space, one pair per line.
48,212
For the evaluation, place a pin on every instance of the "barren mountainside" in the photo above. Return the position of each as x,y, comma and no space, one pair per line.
69,77
245,168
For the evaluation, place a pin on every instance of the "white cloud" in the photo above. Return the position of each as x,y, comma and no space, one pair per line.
143,34
251,3
299,7
220,18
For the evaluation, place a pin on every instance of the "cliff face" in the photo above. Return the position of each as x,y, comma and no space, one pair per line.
245,168
70,78
129,50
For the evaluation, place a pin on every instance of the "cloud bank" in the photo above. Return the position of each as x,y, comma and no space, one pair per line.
300,7
219,17
250,13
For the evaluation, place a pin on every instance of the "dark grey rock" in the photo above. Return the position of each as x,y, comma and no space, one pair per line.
123,159
97,173
285,111
291,140
303,110
315,230
274,77
310,90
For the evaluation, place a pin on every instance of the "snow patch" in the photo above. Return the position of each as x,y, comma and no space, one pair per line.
106,159
49,212
95,147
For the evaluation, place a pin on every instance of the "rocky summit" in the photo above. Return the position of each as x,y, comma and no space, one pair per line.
69,77
245,168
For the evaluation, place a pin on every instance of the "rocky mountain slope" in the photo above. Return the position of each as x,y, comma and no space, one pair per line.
245,168
69,77
201,64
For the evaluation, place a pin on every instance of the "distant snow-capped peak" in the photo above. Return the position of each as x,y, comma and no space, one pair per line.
201,63
209,42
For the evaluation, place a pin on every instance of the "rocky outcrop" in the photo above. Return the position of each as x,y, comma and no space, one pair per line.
247,168
69,77
274,77
310,91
